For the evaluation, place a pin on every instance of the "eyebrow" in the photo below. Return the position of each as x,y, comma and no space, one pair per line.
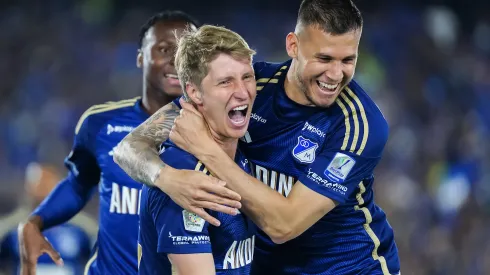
326,56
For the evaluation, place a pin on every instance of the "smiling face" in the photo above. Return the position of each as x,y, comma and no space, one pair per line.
226,95
323,63
157,56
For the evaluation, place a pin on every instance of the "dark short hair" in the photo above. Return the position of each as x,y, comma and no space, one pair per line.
332,16
165,16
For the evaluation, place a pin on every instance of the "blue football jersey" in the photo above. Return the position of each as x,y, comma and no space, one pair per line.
71,241
166,228
99,130
333,151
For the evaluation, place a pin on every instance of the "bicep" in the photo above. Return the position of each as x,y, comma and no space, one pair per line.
190,264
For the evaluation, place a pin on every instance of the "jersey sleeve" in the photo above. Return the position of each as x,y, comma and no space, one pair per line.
179,231
81,162
342,164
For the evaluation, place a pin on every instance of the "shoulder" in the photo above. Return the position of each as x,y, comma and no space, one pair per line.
97,114
269,69
178,158
362,128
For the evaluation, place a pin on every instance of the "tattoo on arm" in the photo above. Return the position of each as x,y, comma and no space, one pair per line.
137,153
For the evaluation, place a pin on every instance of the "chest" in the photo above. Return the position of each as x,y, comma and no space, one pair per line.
108,137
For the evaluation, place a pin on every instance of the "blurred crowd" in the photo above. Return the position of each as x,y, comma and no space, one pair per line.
426,66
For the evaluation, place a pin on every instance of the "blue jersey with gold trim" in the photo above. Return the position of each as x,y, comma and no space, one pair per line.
332,151
166,228
99,130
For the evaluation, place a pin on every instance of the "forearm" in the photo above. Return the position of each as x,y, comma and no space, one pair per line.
268,209
63,203
138,159
137,153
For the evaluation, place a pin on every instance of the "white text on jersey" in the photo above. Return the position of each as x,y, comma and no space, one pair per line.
278,181
125,200
313,129
239,254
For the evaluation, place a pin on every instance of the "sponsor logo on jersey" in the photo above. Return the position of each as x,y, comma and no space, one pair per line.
339,168
305,150
336,187
313,129
192,222
118,129
258,118
183,240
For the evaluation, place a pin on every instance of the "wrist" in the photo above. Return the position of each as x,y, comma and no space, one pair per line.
209,152
35,221
163,173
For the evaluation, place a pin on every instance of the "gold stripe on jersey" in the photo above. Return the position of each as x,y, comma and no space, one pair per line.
89,263
353,111
105,107
202,168
346,122
369,231
365,122
262,81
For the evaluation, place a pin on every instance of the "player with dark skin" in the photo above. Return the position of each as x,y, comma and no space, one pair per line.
160,86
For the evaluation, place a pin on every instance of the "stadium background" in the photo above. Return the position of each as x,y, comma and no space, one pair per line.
425,63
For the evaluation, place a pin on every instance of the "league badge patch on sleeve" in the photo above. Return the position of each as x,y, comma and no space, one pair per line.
339,167
305,150
192,222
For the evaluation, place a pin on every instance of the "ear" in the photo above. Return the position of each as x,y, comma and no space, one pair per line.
139,59
195,95
292,45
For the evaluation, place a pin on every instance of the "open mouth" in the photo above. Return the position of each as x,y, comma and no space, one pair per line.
173,79
329,88
238,115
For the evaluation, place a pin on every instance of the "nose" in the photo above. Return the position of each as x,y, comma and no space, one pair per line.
334,72
241,91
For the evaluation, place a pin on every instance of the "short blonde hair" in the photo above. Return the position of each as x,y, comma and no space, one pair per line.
197,48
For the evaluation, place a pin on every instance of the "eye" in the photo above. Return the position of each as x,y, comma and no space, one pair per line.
348,60
224,82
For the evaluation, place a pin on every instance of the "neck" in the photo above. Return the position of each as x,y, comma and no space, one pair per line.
292,87
229,145
152,99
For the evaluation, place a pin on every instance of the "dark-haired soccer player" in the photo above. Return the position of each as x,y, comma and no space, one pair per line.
90,162
215,67
315,137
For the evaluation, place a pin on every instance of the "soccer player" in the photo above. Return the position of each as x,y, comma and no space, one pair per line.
315,137
215,67
90,163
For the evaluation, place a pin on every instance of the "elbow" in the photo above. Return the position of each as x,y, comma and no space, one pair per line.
121,154
280,233
117,154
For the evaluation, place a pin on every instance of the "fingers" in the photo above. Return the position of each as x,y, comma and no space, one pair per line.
216,186
55,256
205,215
188,107
214,198
218,207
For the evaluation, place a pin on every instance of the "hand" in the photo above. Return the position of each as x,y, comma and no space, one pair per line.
194,191
32,244
190,132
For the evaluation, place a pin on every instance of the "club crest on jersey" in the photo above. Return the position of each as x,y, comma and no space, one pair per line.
192,222
305,150
339,167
